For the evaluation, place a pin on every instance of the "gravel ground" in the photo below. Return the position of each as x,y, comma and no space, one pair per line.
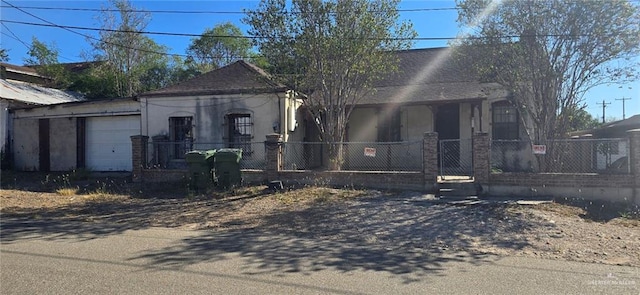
396,222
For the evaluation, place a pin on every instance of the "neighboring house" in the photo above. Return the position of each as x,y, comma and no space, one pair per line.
19,88
15,73
233,106
432,92
610,147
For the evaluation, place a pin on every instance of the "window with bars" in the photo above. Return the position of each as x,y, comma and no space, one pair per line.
240,132
181,136
505,121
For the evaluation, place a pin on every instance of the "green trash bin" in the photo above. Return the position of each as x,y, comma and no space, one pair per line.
227,167
200,166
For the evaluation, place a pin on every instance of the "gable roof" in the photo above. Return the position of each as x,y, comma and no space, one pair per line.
236,78
430,75
32,94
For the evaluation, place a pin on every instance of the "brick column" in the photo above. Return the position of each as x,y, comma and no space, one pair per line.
430,160
634,161
274,156
138,156
481,162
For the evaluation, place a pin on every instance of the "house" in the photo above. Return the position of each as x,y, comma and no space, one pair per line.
432,92
239,104
609,147
233,106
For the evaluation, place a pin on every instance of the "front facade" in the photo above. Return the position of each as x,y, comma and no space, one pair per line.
431,92
235,106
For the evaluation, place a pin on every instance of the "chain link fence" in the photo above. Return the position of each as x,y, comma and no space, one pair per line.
455,157
355,156
171,155
605,156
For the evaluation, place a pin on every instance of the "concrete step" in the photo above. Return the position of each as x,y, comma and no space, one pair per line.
459,189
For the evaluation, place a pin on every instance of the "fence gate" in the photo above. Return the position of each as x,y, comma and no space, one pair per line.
455,158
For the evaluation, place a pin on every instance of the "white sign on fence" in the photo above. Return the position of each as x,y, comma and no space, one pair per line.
370,152
539,149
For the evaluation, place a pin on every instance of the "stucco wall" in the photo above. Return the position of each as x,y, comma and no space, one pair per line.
26,144
62,144
208,114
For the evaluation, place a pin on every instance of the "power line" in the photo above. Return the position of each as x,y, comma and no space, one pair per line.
191,11
14,36
25,43
68,28
51,24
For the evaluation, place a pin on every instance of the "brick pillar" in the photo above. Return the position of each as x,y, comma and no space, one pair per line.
481,162
138,156
430,160
634,161
274,156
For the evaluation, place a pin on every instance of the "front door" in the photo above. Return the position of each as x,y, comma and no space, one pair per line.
448,128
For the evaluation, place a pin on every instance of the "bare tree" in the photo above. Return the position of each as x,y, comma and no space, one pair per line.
129,55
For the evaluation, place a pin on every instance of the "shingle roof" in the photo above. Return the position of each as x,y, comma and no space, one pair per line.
612,129
238,77
428,75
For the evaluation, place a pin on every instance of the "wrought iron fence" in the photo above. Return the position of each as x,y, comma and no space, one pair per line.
354,156
605,156
171,155
455,157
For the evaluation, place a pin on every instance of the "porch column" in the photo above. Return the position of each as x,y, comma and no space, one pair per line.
430,160
274,156
138,156
481,162
634,161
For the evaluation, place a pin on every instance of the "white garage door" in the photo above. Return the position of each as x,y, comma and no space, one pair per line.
108,145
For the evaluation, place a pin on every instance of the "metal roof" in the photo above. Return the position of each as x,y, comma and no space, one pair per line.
36,95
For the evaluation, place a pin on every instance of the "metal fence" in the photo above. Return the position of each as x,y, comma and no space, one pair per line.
455,157
171,155
605,156
355,156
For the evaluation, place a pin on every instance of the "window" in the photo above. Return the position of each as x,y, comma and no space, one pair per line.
389,125
240,132
181,136
505,121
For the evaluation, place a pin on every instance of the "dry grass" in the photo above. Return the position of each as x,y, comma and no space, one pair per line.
67,191
317,195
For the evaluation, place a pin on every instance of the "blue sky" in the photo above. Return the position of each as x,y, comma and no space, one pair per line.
432,23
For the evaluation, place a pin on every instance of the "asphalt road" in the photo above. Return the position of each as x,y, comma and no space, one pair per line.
93,258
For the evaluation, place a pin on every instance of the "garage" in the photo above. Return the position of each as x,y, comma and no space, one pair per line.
108,142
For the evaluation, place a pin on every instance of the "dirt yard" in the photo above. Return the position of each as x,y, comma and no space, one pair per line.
397,221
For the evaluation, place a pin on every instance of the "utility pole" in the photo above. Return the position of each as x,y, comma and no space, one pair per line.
604,106
623,99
